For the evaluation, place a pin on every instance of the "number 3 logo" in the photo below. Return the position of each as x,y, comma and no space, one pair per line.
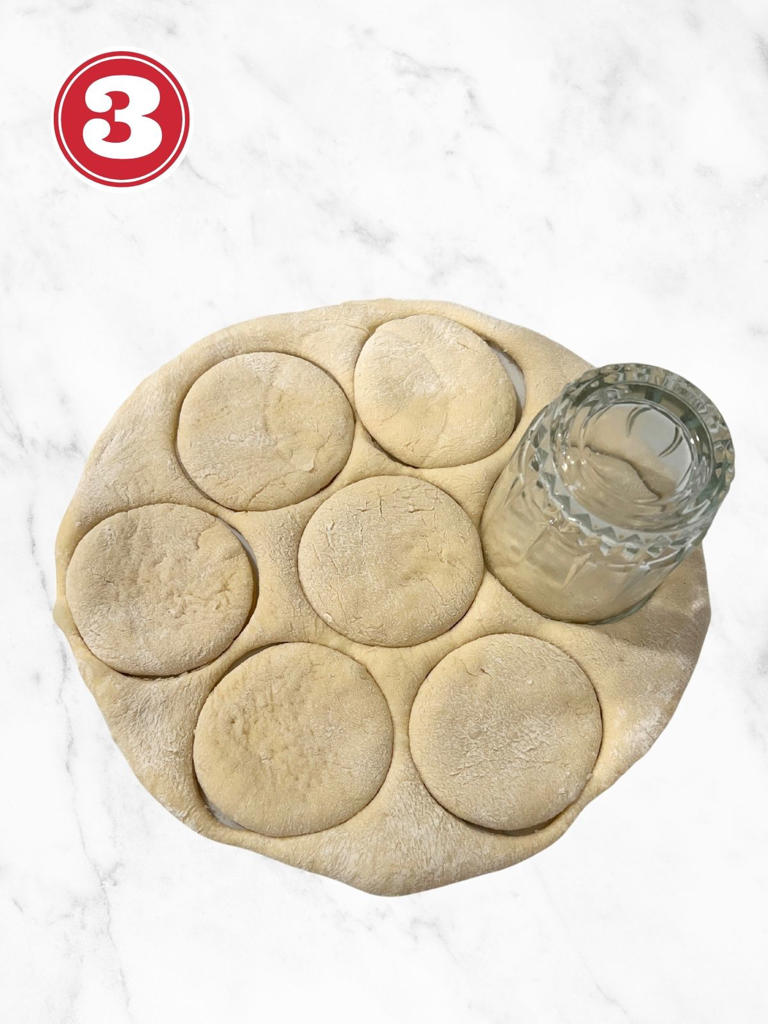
144,124
145,134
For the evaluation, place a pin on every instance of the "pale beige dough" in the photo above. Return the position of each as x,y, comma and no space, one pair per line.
296,739
390,560
264,430
159,590
433,393
505,731
407,567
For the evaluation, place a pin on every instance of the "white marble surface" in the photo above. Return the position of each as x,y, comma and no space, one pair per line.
597,171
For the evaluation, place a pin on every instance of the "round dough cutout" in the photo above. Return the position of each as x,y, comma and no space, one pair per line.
295,739
391,561
505,731
433,393
264,430
159,590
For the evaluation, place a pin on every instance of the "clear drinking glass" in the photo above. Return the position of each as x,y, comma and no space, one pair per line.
611,486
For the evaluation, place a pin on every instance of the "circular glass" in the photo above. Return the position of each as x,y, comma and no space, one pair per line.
612,484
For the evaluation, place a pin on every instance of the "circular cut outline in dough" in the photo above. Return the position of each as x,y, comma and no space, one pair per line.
293,439
505,731
295,739
432,393
390,561
159,590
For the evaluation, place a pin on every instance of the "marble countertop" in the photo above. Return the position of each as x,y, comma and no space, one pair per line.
598,172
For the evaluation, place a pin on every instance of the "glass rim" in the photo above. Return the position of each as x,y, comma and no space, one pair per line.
704,501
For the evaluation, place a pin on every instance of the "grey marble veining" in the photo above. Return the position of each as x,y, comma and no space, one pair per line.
598,172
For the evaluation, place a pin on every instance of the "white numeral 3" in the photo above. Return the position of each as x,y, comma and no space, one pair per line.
145,133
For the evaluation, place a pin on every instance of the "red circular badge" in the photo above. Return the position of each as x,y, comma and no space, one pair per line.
121,119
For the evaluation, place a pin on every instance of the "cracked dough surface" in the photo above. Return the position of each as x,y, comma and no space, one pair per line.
296,739
390,560
160,589
432,393
408,565
505,731
264,430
